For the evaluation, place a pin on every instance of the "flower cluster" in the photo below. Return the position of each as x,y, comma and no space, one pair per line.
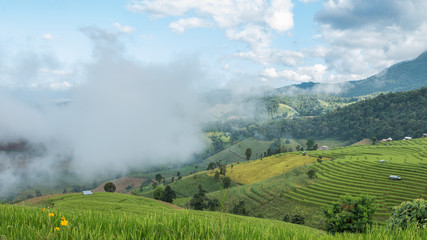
63,222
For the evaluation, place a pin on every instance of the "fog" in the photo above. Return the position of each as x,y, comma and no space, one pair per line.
125,115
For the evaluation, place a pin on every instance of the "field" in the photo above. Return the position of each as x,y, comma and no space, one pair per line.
118,216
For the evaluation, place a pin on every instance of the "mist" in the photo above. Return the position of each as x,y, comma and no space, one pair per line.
125,115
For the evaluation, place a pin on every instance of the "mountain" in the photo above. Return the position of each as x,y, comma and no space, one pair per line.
402,76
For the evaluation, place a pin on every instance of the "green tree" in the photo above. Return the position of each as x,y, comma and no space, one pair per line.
157,193
239,209
211,166
38,193
199,200
408,213
226,182
297,219
248,153
311,173
216,176
110,187
168,195
298,148
159,177
352,214
311,145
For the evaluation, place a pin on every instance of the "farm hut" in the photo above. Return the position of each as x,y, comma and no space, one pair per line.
389,139
407,138
324,148
424,134
87,192
383,161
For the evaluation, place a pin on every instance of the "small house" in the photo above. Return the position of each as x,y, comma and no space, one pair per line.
389,139
394,177
407,138
383,161
324,148
87,192
424,134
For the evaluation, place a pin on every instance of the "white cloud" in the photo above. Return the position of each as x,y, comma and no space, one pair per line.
123,29
269,56
313,73
185,23
47,36
252,22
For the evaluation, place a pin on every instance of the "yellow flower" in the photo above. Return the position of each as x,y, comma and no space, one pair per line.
44,209
56,229
51,214
63,218
64,222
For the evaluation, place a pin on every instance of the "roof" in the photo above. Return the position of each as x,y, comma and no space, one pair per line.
87,192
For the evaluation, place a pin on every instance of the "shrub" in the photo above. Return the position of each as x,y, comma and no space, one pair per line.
351,214
110,187
168,195
157,193
297,219
408,213
311,173
286,217
239,209
226,182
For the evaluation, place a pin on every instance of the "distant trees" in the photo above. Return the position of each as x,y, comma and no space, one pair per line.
200,201
159,177
311,145
239,209
168,195
226,182
157,193
248,153
110,187
311,173
211,166
374,140
351,214
38,193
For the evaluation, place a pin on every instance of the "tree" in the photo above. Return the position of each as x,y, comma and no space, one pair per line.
168,195
297,219
374,140
311,173
248,153
226,182
110,187
409,213
216,176
239,209
199,200
158,177
38,193
298,148
154,184
351,214
65,190
223,170
157,193
211,166
311,145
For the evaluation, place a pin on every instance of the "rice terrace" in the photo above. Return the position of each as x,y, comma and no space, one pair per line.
225,119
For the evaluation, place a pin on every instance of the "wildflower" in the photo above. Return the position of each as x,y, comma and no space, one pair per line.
64,223
56,229
51,214
63,218
44,209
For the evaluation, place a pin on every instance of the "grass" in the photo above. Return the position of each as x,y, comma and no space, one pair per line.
86,220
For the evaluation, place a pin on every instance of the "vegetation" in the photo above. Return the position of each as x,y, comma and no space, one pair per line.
110,187
353,214
409,213
168,195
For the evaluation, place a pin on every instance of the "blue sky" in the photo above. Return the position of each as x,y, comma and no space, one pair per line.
237,43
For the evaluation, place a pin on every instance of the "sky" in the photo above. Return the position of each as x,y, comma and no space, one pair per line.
237,44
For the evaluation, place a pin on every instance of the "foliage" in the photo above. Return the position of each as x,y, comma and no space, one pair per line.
311,173
408,213
199,200
159,177
226,182
110,187
311,145
239,209
298,219
351,214
286,217
168,195
211,166
248,153
157,193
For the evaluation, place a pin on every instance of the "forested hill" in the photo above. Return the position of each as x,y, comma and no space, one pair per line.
402,76
393,115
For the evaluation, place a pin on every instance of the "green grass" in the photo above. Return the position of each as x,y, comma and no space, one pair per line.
91,217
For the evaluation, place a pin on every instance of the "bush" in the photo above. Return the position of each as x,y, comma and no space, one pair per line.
168,195
226,182
110,187
351,214
286,217
311,173
239,209
408,213
297,219
157,193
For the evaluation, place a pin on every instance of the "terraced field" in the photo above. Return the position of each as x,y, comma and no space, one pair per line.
369,177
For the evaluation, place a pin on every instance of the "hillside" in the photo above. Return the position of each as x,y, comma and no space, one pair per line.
393,115
402,76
